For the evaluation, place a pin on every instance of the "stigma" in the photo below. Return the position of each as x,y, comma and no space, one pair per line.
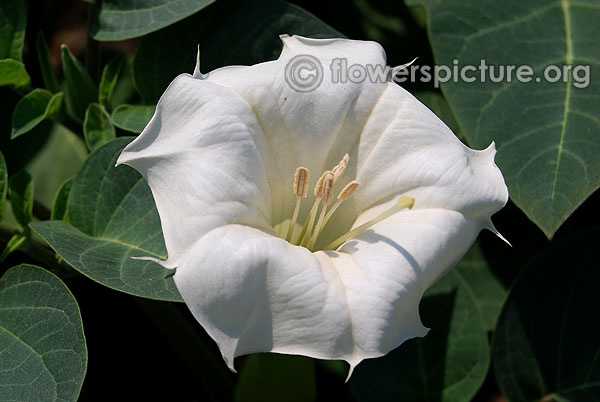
323,207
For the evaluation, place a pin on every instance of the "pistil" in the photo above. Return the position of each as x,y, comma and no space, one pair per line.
310,220
403,202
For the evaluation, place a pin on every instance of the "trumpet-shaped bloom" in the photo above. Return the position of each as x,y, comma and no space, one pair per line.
235,161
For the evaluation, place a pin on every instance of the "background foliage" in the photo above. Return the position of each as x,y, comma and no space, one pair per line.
520,323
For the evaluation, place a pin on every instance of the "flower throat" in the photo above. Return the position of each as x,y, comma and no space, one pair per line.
308,234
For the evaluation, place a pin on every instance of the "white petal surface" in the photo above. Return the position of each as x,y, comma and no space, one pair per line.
406,150
253,292
311,129
201,161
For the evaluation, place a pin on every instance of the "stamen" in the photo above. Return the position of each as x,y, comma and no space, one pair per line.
347,192
300,187
403,202
309,220
339,169
327,196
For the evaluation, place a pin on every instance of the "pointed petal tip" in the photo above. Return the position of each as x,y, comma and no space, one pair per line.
165,263
490,151
490,226
197,74
353,365
229,362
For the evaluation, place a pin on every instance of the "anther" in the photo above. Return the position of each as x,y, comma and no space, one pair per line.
300,189
339,169
320,183
328,189
301,182
348,191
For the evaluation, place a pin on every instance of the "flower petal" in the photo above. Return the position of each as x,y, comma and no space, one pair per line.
311,129
199,155
406,150
253,292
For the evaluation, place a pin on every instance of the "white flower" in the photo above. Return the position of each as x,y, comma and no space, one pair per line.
221,154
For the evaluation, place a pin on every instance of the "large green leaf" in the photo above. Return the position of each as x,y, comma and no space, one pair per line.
547,342
270,377
36,106
447,365
546,133
80,90
132,117
12,28
124,19
42,346
112,217
228,32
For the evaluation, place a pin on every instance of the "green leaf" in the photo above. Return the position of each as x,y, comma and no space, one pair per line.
13,18
112,217
59,207
20,189
80,90
97,127
132,117
448,365
124,19
3,184
32,109
547,342
546,133
42,344
487,290
46,67
270,377
230,32
62,145
110,76
13,73
13,244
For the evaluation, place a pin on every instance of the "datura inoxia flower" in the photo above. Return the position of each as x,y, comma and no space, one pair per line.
310,222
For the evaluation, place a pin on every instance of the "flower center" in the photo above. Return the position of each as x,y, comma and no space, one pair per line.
308,234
